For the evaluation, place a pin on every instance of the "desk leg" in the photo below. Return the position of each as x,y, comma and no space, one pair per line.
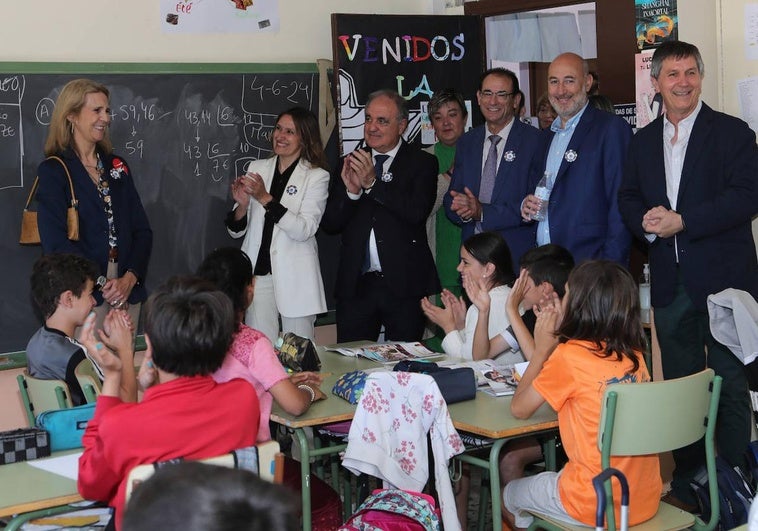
305,477
495,490
493,465
306,452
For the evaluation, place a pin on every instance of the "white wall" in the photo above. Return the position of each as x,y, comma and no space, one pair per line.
129,30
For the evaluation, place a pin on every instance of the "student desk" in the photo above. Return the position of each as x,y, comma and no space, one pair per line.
27,489
485,416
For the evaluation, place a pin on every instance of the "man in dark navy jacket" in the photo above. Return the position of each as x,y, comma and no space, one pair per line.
690,190
380,204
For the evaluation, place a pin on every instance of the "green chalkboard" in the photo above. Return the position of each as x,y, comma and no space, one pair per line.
184,129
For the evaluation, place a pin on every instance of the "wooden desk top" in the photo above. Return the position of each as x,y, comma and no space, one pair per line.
485,416
24,488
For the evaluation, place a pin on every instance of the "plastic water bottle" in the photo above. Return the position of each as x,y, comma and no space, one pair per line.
542,192
645,293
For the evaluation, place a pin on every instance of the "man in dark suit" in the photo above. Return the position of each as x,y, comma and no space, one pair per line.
380,206
584,152
481,203
690,190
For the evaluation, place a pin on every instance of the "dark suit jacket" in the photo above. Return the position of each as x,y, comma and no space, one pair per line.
135,238
503,213
397,211
718,196
583,211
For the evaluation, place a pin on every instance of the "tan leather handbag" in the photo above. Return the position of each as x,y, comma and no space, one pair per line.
29,228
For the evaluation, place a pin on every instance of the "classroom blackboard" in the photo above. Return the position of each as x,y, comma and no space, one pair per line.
185,130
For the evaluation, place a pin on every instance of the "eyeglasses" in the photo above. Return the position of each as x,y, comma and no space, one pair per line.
501,94
381,122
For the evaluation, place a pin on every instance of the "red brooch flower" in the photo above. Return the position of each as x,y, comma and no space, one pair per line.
118,167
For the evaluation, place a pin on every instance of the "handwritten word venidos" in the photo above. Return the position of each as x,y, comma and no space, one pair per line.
404,48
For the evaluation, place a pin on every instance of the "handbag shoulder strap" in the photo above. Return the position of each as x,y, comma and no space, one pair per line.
33,191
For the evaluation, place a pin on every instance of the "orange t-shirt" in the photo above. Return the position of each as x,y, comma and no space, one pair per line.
572,381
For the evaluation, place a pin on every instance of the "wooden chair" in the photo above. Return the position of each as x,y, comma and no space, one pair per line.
42,395
265,460
88,380
674,413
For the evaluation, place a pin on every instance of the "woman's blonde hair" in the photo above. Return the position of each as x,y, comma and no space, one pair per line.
70,101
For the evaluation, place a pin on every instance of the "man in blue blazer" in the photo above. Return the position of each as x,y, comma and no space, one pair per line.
690,190
465,205
584,151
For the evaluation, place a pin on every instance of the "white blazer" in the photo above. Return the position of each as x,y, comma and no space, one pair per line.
298,287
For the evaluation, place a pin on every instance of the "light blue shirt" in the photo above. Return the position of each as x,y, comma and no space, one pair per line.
558,146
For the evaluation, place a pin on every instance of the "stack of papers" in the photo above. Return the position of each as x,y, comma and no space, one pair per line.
388,352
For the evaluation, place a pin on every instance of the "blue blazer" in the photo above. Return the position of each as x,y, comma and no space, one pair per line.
513,182
718,196
583,210
135,238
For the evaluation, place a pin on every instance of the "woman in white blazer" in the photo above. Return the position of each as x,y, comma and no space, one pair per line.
278,206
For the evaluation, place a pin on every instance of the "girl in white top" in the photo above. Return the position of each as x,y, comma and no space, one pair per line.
485,264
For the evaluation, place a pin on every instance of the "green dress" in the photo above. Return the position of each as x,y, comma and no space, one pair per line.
448,234
447,247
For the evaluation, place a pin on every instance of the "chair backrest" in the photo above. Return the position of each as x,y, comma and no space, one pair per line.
42,395
675,413
265,460
88,380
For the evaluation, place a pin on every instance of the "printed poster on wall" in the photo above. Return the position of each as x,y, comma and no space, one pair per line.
414,55
656,22
649,102
219,16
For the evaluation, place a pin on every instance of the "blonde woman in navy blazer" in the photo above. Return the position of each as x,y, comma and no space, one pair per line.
114,231
279,204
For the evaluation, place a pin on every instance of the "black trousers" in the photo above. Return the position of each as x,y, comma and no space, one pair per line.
684,335
361,317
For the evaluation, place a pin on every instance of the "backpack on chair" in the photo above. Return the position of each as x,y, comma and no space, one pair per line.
395,510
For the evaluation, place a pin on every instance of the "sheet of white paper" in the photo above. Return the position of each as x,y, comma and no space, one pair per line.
747,90
64,465
751,31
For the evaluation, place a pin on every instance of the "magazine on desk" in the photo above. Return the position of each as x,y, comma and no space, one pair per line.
387,352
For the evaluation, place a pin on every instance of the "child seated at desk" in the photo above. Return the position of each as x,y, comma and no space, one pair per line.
252,358
184,413
599,340
62,286
485,264
544,271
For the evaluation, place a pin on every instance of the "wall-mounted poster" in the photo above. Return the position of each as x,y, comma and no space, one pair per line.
649,102
219,16
656,22
414,55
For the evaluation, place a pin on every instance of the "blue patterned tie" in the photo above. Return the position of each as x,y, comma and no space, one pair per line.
489,172
379,161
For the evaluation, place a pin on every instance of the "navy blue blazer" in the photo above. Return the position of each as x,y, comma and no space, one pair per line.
583,210
513,182
397,210
135,238
718,196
